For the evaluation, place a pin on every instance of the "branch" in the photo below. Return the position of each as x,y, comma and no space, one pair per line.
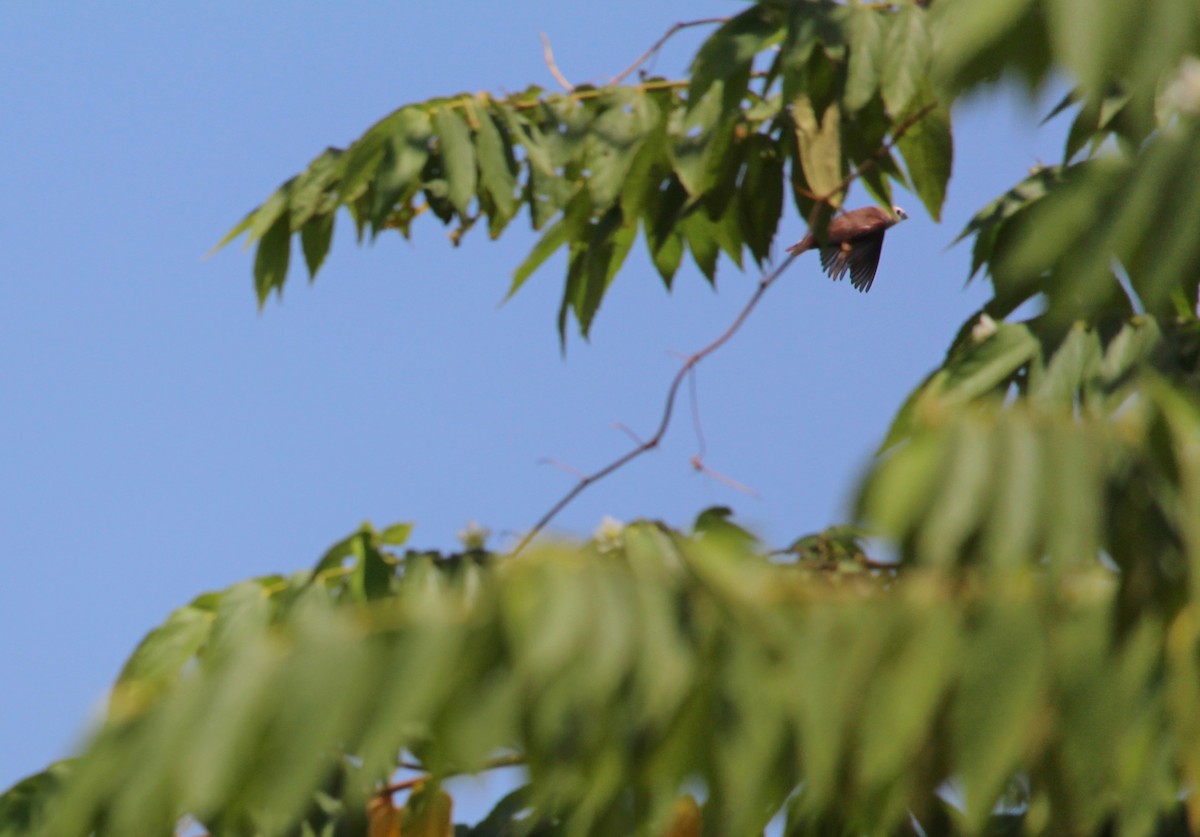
692,361
548,53
763,284
648,54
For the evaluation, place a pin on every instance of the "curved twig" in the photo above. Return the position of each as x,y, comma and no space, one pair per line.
672,391
552,65
693,360
670,33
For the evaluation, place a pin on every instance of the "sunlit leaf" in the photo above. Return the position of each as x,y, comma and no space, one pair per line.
928,149
726,55
905,58
866,33
271,260
458,156
820,148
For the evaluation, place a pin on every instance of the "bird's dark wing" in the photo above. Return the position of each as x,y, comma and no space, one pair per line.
863,259
834,260
859,257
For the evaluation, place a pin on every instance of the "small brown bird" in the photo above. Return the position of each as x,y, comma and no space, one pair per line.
855,242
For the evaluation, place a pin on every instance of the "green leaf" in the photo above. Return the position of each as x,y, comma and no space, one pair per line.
404,155
396,534
496,167
364,156
661,223
372,576
726,56
866,35
1074,479
610,241
905,58
1067,370
701,237
696,140
864,133
928,150
963,494
979,38
905,695
565,230
264,219
1014,526
313,192
458,156
897,493
239,228
997,713
612,143
159,659
315,238
24,805
717,522
760,199
809,26
820,148
983,365
988,223
271,260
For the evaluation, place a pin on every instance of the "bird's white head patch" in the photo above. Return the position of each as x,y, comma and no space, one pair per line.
899,213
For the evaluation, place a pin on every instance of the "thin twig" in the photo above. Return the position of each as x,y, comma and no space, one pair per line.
698,465
763,284
670,33
628,431
562,466
693,360
694,401
548,53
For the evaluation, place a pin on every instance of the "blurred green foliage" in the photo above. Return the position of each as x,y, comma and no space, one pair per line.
1023,657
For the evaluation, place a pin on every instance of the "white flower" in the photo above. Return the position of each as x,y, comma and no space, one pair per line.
608,533
474,536
1182,93
983,329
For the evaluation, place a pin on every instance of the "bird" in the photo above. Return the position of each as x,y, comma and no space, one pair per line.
855,242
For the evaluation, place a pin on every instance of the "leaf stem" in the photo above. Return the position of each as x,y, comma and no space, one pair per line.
670,33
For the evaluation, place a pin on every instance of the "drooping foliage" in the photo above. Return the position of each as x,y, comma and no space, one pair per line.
637,669
1030,661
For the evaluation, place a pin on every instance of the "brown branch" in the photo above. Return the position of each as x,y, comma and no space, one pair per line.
693,360
562,466
548,53
670,33
866,165
763,284
700,467
694,403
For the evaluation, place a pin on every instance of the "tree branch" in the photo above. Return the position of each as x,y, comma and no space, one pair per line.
548,54
672,391
670,33
693,360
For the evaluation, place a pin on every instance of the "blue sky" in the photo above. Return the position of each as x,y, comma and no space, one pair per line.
160,437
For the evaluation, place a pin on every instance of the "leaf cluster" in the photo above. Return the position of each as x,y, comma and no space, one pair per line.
809,95
1028,661
636,671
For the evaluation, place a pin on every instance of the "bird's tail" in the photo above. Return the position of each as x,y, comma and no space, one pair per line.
803,245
